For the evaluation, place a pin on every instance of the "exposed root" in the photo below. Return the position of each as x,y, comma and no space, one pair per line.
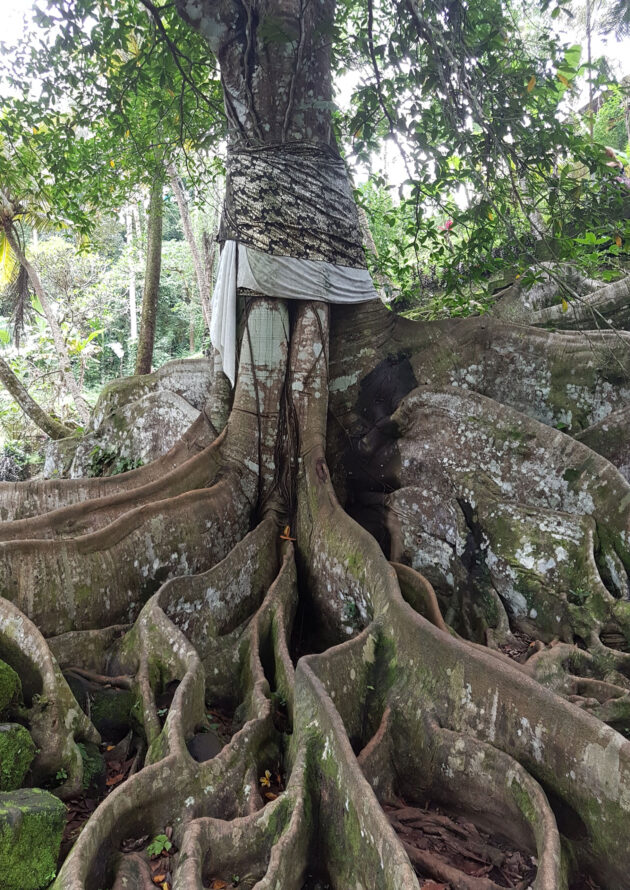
420,595
102,578
77,519
396,704
19,501
54,718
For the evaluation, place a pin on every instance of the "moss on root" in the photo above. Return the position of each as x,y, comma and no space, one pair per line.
17,751
10,688
31,826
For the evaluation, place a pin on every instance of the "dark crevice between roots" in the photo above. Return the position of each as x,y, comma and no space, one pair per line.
370,461
280,714
474,613
308,636
604,543
121,754
317,878
569,822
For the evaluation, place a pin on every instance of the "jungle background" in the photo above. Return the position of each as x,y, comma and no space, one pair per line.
97,105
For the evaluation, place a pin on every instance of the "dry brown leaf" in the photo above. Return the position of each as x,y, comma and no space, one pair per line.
270,795
218,884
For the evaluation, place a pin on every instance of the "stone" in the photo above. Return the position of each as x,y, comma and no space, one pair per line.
204,746
135,420
10,688
111,711
31,827
17,751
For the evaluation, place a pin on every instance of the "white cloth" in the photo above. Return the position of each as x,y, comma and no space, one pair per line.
284,277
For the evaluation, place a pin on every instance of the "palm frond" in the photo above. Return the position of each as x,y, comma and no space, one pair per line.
9,265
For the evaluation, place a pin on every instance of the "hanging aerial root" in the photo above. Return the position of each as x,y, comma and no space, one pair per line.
420,595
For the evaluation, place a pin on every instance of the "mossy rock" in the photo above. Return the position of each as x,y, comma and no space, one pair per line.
10,688
31,827
17,751
111,712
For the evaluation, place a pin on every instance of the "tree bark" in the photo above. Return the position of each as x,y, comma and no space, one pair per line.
40,418
60,347
144,356
133,321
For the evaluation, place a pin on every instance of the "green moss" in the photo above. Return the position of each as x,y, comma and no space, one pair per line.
278,819
17,751
31,827
571,475
356,564
93,765
523,801
158,749
10,688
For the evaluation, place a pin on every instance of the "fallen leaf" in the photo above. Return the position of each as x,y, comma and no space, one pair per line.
270,795
218,884
114,780
286,534
159,879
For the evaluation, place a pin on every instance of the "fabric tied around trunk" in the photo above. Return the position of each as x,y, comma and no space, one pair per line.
290,229
284,277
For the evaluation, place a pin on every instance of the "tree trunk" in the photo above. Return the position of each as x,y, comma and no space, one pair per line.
589,61
60,347
133,321
153,266
203,284
47,424
254,585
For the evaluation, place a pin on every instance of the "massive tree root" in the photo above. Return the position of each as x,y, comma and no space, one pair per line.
248,580
593,304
